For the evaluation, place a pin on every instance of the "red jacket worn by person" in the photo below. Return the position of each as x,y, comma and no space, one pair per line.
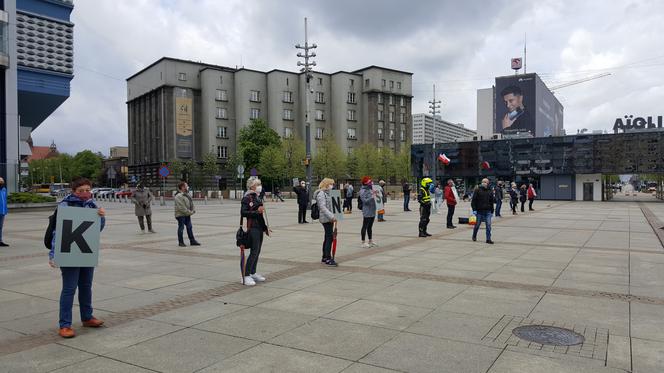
449,196
531,193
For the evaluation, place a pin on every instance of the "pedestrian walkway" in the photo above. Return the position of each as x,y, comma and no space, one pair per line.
440,304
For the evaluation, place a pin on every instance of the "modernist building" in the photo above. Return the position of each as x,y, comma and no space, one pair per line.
36,67
183,110
564,167
426,129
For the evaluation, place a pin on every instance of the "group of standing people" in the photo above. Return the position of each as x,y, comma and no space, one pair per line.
523,194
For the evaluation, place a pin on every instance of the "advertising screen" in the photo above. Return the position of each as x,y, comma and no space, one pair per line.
515,104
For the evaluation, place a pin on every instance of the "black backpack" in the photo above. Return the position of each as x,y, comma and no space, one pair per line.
48,235
360,204
315,211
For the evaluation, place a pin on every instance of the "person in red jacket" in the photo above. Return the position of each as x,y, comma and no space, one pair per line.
531,197
451,199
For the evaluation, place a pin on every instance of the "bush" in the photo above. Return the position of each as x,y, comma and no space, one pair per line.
24,197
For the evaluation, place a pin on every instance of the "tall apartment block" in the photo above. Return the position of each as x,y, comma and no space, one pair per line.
181,109
427,128
36,68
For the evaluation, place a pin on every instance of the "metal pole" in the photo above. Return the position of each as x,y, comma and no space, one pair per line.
307,67
434,105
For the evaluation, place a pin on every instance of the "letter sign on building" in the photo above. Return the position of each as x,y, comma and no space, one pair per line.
77,237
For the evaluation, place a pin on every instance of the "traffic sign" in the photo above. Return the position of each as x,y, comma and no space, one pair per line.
164,171
254,172
240,169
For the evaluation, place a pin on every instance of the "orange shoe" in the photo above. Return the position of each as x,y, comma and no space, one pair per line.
67,333
93,323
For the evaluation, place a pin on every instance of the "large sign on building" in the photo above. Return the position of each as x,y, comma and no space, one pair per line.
523,103
184,124
629,122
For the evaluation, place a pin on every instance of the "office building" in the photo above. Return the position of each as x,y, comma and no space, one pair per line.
426,129
183,110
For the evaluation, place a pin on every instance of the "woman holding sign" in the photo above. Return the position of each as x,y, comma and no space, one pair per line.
324,202
77,277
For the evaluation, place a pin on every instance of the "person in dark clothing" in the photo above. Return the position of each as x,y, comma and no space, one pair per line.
451,198
531,197
424,198
514,198
367,195
498,195
261,195
302,202
253,210
350,191
406,196
482,205
523,196
277,195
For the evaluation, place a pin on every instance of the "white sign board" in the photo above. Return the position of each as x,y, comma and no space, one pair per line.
77,237
336,204
378,197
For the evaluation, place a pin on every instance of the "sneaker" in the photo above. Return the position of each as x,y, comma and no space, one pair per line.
422,234
474,238
331,263
93,323
489,242
195,243
324,260
428,234
258,277
67,333
366,245
152,231
181,244
248,281
3,244
372,244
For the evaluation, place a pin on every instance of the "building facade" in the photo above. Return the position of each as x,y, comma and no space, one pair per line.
426,129
183,110
36,68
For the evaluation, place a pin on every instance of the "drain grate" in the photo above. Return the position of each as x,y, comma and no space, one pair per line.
548,335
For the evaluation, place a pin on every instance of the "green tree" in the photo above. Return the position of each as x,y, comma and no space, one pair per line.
272,164
402,166
253,139
87,164
294,154
210,169
352,166
176,167
368,160
385,169
330,160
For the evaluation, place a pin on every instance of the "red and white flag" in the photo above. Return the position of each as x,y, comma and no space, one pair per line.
486,166
443,158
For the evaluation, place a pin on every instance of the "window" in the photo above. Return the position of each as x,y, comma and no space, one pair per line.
182,77
221,79
351,98
352,82
222,132
402,101
351,134
288,132
380,98
366,82
288,114
222,95
398,85
222,152
320,98
391,83
319,133
254,113
391,100
320,115
391,134
286,82
384,83
380,133
391,116
403,135
402,118
221,113
380,115
320,81
351,115
288,96
255,96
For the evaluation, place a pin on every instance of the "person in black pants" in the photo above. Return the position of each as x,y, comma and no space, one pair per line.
253,210
514,198
406,195
523,196
424,198
302,202
367,195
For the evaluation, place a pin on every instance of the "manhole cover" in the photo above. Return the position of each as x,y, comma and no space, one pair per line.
548,335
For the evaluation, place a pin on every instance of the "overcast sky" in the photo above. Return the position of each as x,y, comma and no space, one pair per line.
459,46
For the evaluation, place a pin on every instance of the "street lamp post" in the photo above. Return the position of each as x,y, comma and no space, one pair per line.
307,67
434,108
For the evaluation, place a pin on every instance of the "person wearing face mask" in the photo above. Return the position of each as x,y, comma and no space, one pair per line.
184,209
77,277
367,195
302,201
252,209
514,198
482,205
142,199
327,219
3,208
424,198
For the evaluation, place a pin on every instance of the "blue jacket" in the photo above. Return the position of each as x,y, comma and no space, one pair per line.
72,201
3,201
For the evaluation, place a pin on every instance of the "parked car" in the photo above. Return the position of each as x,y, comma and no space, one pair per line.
58,188
102,192
124,193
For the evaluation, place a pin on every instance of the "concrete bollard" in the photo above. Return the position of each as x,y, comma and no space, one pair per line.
221,199
205,200
162,202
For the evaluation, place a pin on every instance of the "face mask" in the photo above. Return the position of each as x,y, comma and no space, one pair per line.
84,196
330,187
259,189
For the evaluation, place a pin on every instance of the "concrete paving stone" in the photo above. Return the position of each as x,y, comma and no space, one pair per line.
197,313
191,287
101,365
415,353
589,268
371,278
47,321
482,301
335,338
131,301
256,323
252,296
42,359
522,279
647,321
308,303
6,335
513,362
26,306
153,281
443,271
619,354
648,356
416,292
270,358
455,326
296,282
387,315
591,286
343,288
105,340
10,296
183,351
594,277
364,368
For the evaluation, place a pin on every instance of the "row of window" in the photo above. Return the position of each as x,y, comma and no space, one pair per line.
402,100
391,116
351,115
222,133
384,83
255,96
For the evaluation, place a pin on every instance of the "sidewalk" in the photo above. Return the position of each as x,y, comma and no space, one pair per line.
442,304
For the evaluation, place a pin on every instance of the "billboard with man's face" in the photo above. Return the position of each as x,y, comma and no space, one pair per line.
515,104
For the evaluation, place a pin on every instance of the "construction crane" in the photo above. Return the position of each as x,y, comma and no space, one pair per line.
574,82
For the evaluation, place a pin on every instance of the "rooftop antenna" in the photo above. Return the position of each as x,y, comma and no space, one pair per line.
525,60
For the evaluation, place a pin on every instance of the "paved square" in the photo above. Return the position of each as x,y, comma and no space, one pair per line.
442,304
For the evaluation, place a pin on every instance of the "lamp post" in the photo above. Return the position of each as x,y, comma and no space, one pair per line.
307,67
434,108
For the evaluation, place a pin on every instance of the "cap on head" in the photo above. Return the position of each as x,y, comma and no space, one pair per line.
366,180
